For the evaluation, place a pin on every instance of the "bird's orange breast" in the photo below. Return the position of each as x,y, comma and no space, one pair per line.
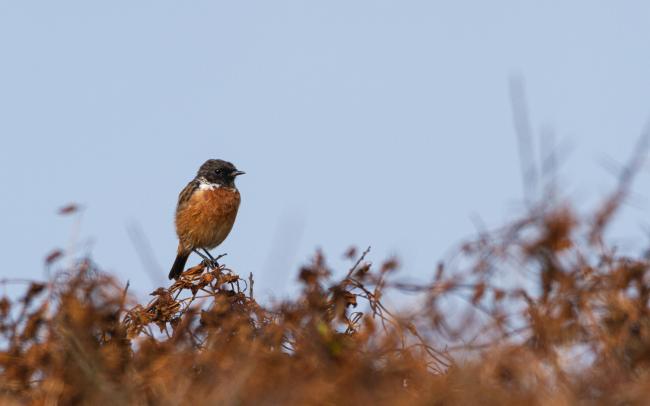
206,219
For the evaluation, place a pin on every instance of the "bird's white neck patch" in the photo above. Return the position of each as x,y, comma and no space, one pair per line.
205,185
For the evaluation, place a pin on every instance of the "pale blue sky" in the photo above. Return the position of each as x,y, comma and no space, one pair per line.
383,123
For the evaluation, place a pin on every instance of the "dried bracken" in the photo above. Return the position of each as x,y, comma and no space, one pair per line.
539,312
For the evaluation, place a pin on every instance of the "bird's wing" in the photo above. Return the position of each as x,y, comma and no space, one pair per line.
186,193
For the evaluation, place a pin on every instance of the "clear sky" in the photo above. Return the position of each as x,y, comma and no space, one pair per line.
383,123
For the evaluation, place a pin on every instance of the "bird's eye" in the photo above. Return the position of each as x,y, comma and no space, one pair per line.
218,171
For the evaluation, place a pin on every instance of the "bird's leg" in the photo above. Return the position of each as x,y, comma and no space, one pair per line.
208,254
206,261
214,260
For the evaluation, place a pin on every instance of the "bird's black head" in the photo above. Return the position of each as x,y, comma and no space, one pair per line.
219,172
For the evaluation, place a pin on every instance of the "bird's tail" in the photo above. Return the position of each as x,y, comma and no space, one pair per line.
179,264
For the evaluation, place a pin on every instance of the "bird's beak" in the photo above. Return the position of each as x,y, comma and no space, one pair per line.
237,173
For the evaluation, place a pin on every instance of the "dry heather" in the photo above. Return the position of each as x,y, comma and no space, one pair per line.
540,312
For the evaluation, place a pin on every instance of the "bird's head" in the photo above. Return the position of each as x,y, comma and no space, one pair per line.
219,172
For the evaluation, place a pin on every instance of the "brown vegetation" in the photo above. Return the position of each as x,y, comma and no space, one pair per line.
539,312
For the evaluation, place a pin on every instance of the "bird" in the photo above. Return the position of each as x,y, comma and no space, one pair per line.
206,212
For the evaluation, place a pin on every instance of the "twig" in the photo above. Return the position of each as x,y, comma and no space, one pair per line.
123,299
356,264
250,285
524,137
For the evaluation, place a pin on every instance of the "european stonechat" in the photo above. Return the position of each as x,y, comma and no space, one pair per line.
206,211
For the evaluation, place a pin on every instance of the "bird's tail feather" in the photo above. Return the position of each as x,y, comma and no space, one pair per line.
179,265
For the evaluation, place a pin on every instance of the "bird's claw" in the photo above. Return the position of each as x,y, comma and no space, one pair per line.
212,263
